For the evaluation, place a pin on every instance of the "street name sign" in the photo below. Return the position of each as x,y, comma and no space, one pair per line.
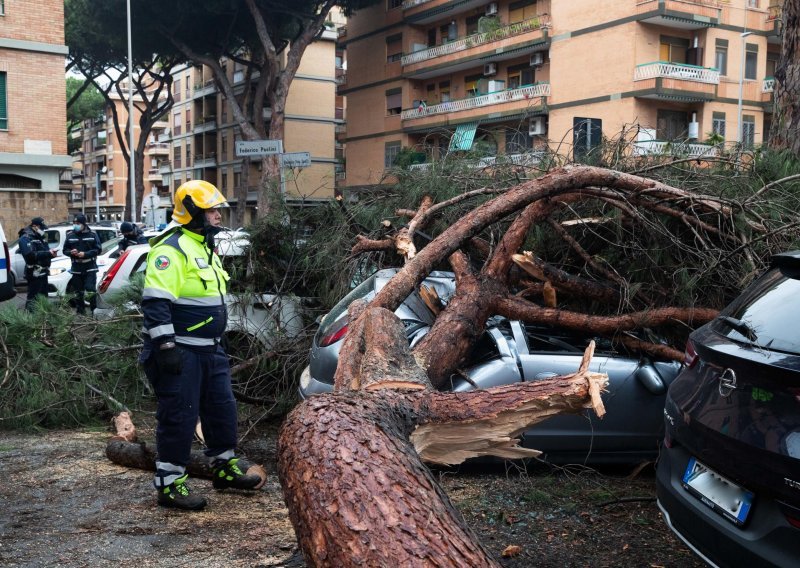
296,159
258,147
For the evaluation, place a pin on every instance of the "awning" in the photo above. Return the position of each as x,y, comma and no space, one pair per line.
463,136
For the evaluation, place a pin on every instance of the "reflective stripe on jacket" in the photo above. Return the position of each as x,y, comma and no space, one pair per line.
184,291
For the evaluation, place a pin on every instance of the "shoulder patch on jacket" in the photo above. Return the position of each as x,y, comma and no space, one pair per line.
161,262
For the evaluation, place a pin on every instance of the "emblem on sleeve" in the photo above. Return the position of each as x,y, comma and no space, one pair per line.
162,262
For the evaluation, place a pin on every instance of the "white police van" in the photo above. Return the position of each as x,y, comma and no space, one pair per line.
6,281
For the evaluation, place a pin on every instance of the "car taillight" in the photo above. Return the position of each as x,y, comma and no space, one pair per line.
335,332
690,355
111,272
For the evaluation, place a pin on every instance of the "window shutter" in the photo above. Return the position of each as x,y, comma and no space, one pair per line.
3,105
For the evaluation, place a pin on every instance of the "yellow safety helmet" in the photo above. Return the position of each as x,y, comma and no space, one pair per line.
194,196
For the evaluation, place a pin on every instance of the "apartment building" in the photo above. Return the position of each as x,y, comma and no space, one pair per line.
517,77
100,182
33,138
203,132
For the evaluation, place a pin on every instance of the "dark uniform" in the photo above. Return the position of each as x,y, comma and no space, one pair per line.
131,235
84,267
183,303
33,248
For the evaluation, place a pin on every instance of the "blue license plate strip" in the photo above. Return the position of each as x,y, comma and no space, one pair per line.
725,497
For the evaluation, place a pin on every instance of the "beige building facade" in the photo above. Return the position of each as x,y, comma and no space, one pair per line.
516,78
203,133
33,139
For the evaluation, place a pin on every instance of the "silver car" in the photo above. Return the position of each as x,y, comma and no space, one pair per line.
511,351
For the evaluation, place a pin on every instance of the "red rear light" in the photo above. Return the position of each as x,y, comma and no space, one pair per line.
111,272
793,521
690,355
334,333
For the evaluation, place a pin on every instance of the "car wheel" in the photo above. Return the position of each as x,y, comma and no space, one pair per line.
251,376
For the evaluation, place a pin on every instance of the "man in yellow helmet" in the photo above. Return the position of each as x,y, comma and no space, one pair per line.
184,318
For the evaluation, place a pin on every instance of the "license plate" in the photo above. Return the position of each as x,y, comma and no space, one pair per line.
725,497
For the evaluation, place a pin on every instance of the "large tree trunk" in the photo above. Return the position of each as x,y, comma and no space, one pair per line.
351,463
785,133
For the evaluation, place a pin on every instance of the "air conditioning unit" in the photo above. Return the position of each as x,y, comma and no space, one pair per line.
537,126
491,9
490,69
537,59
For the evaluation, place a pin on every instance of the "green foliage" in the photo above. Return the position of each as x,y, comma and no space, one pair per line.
64,370
89,105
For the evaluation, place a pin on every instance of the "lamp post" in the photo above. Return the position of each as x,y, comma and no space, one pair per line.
101,170
132,168
739,130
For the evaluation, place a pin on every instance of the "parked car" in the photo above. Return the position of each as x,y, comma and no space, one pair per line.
510,352
728,479
56,235
60,266
6,278
258,319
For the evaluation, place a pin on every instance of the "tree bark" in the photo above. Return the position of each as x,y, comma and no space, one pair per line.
785,133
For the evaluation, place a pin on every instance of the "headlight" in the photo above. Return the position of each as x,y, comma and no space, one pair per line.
57,271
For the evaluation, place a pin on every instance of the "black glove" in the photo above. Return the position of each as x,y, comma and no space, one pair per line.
170,360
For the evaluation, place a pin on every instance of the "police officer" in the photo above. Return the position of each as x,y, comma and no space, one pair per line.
82,246
33,248
131,235
184,318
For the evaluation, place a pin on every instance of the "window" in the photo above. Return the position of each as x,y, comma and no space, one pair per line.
772,64
519,76
471,88
392,4
517,142
449,32
176,156
188,119
521,11
748,131
394,101
176,90
718,124
673,49
188,83
472,24
176,123
721,56
444,91
390,152
587,133
3,99
671,125
394,48
751,61
188,153
2,8
752,3
224,148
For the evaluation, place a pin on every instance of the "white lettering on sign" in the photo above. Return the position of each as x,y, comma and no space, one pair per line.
258,147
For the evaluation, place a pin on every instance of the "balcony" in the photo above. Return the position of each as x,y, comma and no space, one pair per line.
680,14
773,21
208,160
205,124
767,93
529,159
158,148
675,81
499,99
423,12
665,148
164,167
154,175
204,89
493,42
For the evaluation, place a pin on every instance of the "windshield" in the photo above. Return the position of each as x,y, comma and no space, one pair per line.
771,308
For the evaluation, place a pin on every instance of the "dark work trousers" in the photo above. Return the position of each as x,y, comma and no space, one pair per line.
83,284
202,389
36,287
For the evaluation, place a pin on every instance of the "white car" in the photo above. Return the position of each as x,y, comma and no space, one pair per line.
6,279
258,320
56,235
59,268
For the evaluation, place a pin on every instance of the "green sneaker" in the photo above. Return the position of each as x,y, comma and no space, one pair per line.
177,495
227,474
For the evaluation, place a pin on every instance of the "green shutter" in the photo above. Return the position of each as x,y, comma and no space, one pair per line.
3,106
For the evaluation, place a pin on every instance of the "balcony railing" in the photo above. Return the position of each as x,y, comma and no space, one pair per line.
498,97
411,3
676,71
477,39
532,158
664,148
768,85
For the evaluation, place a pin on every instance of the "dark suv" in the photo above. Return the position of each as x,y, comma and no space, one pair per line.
729,475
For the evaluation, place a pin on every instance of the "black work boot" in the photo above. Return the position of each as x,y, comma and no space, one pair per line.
227,474
177,495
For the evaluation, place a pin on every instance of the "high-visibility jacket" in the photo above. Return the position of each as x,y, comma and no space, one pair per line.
184,291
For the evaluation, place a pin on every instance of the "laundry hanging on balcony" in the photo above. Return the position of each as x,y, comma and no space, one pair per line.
463,136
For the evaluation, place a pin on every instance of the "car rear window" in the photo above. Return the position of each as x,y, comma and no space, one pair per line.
771,307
